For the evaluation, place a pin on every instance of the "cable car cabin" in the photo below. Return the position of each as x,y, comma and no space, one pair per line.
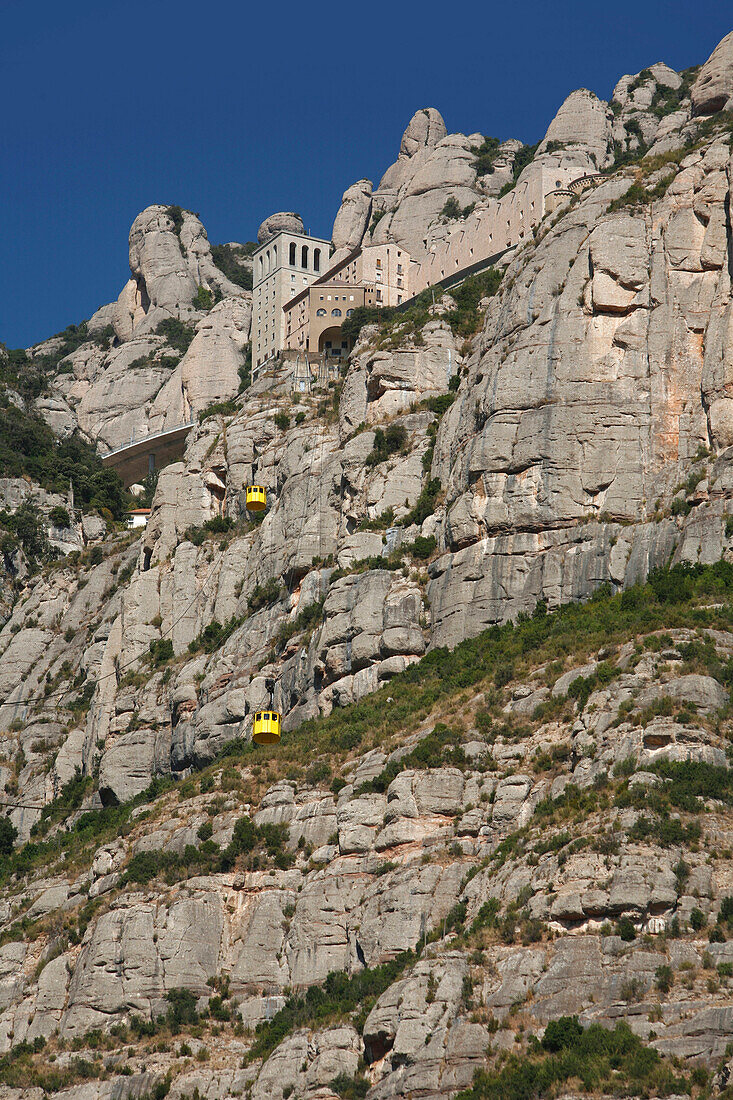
266,730
256,498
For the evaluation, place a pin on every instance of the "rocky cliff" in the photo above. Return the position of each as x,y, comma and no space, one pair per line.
472,829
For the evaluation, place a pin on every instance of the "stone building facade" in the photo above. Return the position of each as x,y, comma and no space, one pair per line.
282,267
379,275
497,225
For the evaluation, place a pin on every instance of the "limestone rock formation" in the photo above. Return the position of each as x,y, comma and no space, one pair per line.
637,103
532,826
582,122
279,223
431,167
169,260
352,218
713,89
144,382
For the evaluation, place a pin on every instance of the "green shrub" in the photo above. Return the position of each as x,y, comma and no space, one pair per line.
219,525
8,836
664,978
582,687
339,996
350,1088
387,443
281,421
59,516
485,155
425,504
439,748
175,213
486,916
218,408
179,334
465,318
214,635
264,595
204,299
452,209
698,920
364,315
666,831
600,1060
29,448
639,195
318,773
231,261
562,1033
422,547
626,930
182,1011
503,675
25,526
161,651
680,507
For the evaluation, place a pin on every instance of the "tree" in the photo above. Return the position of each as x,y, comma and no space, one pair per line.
8,836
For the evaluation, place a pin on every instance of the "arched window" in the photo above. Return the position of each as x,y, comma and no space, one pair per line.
335,312
274,255
349,312
293,249
316,259
320,313
262,267
267,256
304,256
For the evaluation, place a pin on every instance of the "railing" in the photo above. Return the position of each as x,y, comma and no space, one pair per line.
149,437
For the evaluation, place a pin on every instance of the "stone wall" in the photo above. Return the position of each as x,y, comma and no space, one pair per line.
496,226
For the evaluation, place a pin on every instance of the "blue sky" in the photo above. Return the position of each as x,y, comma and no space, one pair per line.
235,114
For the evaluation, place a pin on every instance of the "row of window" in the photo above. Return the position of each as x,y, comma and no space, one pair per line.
268,260
334,312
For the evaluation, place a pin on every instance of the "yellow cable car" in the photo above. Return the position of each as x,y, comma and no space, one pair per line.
256,498
266,729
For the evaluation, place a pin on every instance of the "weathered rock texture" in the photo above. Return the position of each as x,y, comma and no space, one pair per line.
589,441
145,382
713,89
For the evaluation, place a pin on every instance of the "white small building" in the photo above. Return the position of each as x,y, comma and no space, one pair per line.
137,517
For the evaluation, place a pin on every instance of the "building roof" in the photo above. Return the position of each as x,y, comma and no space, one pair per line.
326,277
139,512
290,233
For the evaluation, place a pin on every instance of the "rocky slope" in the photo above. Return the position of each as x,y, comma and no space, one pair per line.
542,803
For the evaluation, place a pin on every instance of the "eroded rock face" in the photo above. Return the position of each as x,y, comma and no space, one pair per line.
282,222
582,121
352,219
148,380
635,104
713,89
412,193
610,304
169,261
376,874
600,369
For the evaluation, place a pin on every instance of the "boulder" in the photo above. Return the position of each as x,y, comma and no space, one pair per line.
713,89
281,222
352,218
582,121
